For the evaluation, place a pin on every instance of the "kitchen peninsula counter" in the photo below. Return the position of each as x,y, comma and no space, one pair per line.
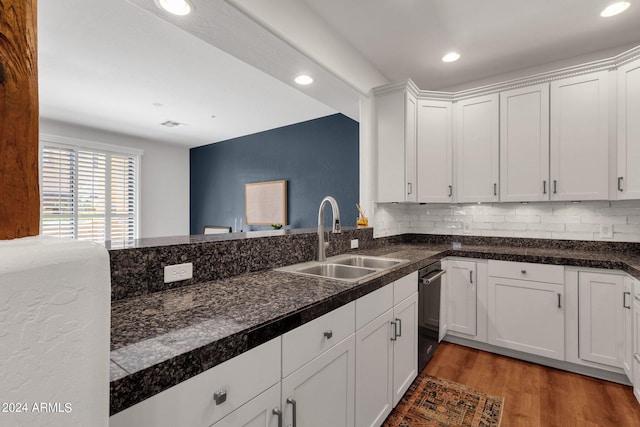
162,338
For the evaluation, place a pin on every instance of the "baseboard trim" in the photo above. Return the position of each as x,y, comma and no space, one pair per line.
557,364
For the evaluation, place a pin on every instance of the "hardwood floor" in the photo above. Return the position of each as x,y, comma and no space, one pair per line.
537,395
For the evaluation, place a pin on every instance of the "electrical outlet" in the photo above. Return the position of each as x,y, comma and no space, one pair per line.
354,244
177,272
606,231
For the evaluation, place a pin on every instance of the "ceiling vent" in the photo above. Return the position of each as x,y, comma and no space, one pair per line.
171,124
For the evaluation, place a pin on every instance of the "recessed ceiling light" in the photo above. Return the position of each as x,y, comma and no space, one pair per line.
615,8
177,7
451,56
303,79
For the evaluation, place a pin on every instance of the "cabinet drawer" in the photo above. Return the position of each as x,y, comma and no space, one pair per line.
405,287
308,341
373,305
527,271
191,402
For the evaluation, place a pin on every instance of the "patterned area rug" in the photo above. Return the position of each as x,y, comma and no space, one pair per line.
434,402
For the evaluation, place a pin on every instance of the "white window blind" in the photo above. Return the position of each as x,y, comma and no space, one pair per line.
89,194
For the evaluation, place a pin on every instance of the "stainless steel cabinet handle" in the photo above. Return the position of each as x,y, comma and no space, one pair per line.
620,178
559,304
624,300
394,335
555,186
278,413
328,334
544,187
399,322
430,280
220,396
292,402
471,276
450,190
409,188
495,189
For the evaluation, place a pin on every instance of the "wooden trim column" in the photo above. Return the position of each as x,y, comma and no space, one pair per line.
19,196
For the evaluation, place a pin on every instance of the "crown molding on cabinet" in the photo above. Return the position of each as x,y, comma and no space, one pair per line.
576,70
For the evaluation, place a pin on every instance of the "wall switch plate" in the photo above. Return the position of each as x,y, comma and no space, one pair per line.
177,272
606,231
354,244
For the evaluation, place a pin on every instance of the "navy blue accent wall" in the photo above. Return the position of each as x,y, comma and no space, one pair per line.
317,158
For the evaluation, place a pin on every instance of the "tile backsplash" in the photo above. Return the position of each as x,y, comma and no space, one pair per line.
543,220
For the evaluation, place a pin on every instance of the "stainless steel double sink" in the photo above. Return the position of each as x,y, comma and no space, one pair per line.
350,268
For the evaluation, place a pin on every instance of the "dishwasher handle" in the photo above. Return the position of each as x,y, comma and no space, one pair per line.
430,279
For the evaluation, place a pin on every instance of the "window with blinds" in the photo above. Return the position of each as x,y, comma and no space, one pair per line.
89,194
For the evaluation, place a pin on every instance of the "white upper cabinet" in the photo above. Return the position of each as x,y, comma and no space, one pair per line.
579,137
524,144
434,150
628,185
396,121
476,149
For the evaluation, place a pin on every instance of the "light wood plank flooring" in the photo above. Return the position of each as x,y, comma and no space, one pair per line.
536,395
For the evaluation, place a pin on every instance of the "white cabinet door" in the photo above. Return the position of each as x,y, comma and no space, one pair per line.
434,151
636,348
396,126
262,411
444,303
323,390
461,283
476,149
601,318
405,348
527,316
627,305
374,371
524,144
629,131
579,137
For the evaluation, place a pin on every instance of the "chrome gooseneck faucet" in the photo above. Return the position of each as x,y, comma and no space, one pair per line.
322,246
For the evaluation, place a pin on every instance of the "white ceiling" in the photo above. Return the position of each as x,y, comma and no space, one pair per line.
407,38
104,63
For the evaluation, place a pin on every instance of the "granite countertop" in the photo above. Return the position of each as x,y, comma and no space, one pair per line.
161,339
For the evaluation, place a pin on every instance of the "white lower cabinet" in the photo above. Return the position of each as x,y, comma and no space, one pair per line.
627,305
636,344
405,346
386,349
527,308
262,411
322,392
527,316
208,397
601,318
318,369
461,283
374,371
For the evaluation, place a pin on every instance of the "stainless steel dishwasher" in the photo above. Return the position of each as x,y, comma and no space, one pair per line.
429,279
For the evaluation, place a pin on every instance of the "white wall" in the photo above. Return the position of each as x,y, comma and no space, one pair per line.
54,332
164,186
547,220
